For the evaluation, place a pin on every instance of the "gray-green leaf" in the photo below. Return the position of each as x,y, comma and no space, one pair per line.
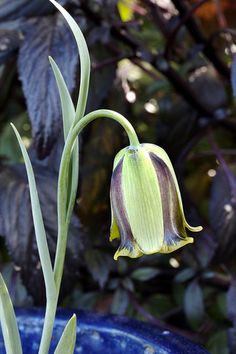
144,274
193,304
8,321
66,343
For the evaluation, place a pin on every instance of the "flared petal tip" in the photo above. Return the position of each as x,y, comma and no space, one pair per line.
124,252
194,228
175,246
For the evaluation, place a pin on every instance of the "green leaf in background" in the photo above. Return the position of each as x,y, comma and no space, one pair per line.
217,343
193,304
120,302
125,8
99,265
159,304
128,284
184,275
8,321
68,338
144,274
8,143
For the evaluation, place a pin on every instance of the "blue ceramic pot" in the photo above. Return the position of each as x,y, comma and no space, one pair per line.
103,335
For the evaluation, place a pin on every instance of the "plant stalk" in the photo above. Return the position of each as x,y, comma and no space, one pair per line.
63,222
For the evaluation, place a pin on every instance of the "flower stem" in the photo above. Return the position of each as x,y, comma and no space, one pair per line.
63,222
51,308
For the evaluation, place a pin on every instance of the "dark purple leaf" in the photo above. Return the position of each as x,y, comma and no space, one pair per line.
231,296
231,309
209,88
14,9
9,42
43,37
233,75
16,226
99,265
222,211
102,77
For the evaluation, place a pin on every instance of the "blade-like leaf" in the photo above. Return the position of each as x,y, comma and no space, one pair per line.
68,110
38,222
8,321
68,338
68,114
84,60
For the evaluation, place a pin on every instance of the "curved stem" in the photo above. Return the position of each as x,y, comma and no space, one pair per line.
63,222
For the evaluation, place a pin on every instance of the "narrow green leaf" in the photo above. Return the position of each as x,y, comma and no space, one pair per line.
144,274
68,115
67,106
194,304
99,265
40,233
66,343
184,275
218,342
84,60
8,322
120,302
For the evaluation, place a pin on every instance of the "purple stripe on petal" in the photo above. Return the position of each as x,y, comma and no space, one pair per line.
174,230
119,212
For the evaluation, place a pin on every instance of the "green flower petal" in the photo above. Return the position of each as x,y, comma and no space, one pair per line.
120,226
157,150
142,200
114,231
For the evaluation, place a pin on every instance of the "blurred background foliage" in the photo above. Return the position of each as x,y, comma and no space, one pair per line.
169,67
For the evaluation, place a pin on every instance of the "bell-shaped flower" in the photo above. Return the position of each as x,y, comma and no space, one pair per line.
147,210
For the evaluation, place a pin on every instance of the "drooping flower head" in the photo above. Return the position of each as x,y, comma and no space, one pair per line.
147,209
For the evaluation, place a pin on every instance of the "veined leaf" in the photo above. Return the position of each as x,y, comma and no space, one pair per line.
18,232
15,9
8,321
66,343
43,37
